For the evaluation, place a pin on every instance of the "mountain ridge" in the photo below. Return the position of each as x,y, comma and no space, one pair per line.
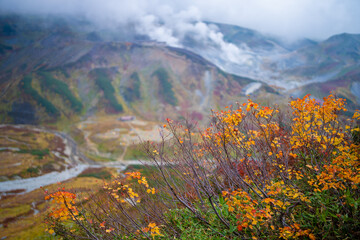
71,61
69,49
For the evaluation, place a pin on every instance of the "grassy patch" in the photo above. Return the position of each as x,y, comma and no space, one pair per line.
77,135
96,173
189,225
57,86
104,83
98,158
40,153
6,213
165,86
28,89
135,152
132,91
145,170
110,146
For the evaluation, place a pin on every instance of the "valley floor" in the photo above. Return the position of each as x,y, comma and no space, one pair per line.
32,158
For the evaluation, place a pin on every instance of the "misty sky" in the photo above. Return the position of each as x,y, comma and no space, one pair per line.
316,19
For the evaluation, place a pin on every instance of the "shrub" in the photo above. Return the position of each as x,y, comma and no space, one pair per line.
96,173
254,173
57,86
28,89
132,92
104,83
165,86
40,153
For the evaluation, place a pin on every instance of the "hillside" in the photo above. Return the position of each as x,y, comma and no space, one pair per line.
292,66
78,70
54,73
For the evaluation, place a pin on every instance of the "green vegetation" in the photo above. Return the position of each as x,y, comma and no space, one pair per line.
104,83
135,152
146,171
14,211
77,135
30,172
97,173
98,158
132,91
190,225
28,89
136,84
33,170
57,86
40,153
110,146
165,86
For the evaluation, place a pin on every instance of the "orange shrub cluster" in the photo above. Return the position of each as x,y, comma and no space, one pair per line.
64,208
316,150
254,173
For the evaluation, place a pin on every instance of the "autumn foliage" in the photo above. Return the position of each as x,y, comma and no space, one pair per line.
255,173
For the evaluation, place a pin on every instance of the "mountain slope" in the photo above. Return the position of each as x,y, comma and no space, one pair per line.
55,68
296,66
57,74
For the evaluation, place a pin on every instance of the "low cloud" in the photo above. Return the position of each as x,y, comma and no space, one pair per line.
290,19
180,21
174,28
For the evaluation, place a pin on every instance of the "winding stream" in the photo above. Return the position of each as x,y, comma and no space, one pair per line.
77,164
30,184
